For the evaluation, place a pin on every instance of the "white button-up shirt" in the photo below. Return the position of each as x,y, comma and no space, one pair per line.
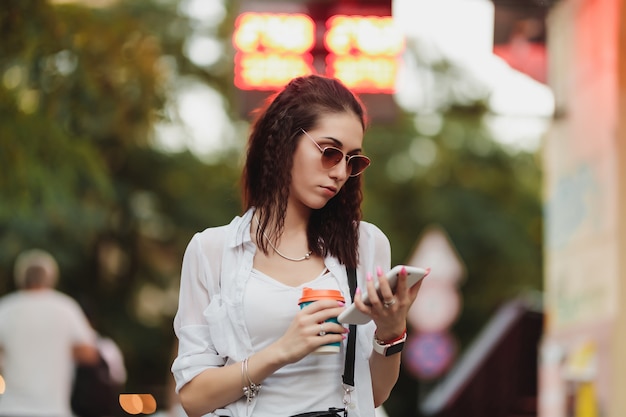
210,321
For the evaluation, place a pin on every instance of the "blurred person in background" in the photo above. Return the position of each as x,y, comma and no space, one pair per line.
43,334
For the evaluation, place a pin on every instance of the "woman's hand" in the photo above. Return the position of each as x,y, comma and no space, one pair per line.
389,310
306,332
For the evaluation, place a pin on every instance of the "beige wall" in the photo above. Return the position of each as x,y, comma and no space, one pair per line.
585,220
618,353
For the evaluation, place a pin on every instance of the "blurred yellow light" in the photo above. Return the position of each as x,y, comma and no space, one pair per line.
277,32
138,403
3,385
131,403
264,71
149,403
365,74
371,35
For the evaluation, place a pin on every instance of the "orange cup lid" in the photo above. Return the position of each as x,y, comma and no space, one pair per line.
310,294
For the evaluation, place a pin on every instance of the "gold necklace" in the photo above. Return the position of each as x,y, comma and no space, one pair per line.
303,258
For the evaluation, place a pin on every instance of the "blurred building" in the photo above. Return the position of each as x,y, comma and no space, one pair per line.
497,374
582,372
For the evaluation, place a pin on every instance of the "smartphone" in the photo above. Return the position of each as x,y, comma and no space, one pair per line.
351,315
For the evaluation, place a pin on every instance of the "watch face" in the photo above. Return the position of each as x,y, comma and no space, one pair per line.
393,349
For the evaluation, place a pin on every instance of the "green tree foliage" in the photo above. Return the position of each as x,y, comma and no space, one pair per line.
82,89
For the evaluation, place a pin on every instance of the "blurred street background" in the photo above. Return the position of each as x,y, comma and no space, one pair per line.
496,144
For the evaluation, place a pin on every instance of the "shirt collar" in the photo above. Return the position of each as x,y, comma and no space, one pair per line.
241,227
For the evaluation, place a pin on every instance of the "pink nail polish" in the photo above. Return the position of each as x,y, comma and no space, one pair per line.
369,276
379,271
341,303
358,291
403,271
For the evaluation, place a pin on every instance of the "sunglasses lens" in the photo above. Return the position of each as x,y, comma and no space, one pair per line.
331,157
357,164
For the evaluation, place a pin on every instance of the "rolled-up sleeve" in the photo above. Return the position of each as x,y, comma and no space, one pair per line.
196,351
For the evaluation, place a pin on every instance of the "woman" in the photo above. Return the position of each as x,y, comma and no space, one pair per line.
244,343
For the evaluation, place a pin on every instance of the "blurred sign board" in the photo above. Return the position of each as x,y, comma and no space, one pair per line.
435,250
438,302
428,355
277,41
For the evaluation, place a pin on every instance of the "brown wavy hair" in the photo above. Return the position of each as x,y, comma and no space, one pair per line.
266,178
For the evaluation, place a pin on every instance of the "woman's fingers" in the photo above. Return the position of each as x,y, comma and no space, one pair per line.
401,286
384,289
309,329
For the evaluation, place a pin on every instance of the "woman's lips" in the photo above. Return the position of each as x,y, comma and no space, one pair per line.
330,190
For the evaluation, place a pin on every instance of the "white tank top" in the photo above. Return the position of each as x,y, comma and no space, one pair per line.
313,383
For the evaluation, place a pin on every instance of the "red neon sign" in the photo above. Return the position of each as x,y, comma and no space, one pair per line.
272,49
364,52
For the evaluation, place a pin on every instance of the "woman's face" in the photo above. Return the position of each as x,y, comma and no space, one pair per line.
312,185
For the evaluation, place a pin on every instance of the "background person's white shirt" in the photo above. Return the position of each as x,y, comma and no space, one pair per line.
37,332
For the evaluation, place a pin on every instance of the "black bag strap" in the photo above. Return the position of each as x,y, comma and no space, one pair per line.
348,370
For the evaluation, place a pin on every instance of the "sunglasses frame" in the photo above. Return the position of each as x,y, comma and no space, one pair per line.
345,157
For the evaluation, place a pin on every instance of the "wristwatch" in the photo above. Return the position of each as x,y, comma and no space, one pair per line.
391,347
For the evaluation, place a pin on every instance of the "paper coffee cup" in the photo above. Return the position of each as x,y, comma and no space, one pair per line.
310,295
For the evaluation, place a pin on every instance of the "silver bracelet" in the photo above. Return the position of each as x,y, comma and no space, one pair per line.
250,389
